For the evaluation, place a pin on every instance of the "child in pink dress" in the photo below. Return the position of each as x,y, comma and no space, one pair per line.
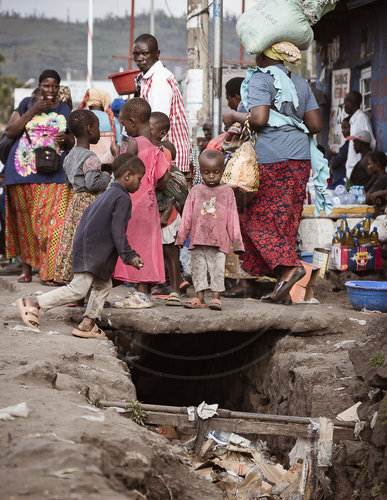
210,217
144,226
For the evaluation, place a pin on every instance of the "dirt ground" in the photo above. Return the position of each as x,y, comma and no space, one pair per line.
68,448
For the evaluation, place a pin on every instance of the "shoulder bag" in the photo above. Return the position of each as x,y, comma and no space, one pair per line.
242,172
47,160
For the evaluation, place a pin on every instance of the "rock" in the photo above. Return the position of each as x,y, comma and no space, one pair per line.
38,372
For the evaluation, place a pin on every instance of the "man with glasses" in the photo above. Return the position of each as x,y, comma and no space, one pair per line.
159,87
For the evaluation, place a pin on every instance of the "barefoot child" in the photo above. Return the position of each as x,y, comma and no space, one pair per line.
84,174
144,228
100,238
210,217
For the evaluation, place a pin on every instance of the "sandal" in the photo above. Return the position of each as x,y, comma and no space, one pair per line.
184,286
28,314
194,304
215,305
137,300
50,283
94,333
284,287
174,299
24,278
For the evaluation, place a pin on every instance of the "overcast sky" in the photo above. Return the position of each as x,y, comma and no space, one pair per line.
78,9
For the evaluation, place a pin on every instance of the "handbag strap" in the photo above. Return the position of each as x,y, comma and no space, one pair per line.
27,135
249,136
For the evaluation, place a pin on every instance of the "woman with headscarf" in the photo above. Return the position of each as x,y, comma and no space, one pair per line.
285,113
98,101
36,202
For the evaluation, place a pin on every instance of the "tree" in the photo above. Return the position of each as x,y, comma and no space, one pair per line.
7,86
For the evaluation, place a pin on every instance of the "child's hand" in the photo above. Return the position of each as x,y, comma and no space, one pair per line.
137,262
115,149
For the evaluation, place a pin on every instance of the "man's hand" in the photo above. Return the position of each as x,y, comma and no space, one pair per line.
137,262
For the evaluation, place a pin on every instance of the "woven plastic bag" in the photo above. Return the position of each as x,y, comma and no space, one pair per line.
272,21
242,172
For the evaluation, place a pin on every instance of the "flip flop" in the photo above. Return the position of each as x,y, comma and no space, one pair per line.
284,287
135,301
28,314
215,305
184,286
174,299
94,333
194,304
24,278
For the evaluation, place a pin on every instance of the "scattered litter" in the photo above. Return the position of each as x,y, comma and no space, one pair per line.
167,431
191,413
344,343
350,415
239,440
59,317
8,413
90,408
25,328
371,311
373,392
340,389
373,420
118,409
92,418
53,332
109,321
63,473
51,434
206,411
36,292
361,322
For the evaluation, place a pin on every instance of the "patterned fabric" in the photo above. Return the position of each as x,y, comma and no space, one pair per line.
64,261
34,220
194,160
99,97
270,222
158,87
41,130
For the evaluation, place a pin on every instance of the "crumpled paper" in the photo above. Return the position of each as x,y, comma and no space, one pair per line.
8,413
206,411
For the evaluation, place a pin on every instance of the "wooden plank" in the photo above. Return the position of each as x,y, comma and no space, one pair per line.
243,426
339,211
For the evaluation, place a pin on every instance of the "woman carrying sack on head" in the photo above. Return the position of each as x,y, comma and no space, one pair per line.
284,113
36,193
98,101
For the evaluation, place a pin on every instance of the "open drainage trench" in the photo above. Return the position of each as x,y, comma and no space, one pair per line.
184,370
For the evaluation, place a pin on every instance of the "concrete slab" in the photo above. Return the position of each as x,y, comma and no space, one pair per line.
238,315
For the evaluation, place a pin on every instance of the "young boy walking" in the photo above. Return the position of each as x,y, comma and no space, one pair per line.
99,240
210,217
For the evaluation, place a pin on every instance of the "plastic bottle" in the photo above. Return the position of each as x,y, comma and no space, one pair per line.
335,240
347,238
367,223
361,196
356,230
311,191
355,242
364,239
343,223
374,237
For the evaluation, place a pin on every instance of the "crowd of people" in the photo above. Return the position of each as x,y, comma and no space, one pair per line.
123,193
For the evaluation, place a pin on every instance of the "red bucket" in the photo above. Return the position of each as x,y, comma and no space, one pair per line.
124,82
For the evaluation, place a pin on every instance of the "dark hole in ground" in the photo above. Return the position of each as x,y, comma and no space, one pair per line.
184,370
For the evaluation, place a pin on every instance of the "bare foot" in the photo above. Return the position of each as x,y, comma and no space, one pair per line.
86,325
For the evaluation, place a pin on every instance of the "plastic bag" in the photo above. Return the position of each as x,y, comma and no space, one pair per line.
272,21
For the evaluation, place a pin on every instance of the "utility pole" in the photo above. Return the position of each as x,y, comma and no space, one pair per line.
217,68
198,93
152,18
90,46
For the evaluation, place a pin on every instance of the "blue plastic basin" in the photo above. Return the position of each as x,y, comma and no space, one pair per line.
371,295
307,257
